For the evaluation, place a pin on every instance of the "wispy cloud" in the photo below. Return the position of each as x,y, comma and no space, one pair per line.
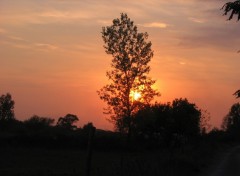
182,63
66,15
16,38
46,46
31,46
22,43
21,46
196,20
154,25
84,47
215,37
45,16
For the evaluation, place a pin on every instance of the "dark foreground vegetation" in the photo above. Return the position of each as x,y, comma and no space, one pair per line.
29,161
53,152
167,139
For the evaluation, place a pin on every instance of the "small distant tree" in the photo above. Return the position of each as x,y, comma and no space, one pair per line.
204,122
87,126
67,122
130,87
6,107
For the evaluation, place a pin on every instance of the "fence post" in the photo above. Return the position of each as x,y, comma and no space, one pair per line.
92,130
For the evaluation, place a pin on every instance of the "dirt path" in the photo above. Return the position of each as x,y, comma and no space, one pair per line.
228,164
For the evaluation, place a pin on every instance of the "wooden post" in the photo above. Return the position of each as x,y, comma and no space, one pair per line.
92,130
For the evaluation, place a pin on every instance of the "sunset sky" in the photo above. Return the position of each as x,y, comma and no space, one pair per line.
52,59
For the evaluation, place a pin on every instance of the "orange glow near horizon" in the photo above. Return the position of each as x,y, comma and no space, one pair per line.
53,60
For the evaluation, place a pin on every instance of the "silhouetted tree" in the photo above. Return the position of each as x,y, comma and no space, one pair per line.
36,123
153,119
130,88
6,107
67,122
87,126
231,122
186,117
204,122
233,8
180,118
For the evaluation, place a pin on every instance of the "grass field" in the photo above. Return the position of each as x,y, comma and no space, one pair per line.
71,162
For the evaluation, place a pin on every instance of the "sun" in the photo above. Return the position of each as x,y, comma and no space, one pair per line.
135,95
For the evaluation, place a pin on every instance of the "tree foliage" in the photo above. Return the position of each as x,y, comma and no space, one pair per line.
87,126
231,122
68,121
36,123
205,125
179,117
130,87
186,117
6,107
153,119
237,94
233,8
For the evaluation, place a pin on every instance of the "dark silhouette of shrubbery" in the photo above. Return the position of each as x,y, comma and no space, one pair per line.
155,126
38,123
166,123
231,122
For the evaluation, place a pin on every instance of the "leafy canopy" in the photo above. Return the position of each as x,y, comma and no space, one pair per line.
179,117
231,121
67,122
36,122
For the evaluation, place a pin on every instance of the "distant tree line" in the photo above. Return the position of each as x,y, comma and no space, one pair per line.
35,122
159,124
37,130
